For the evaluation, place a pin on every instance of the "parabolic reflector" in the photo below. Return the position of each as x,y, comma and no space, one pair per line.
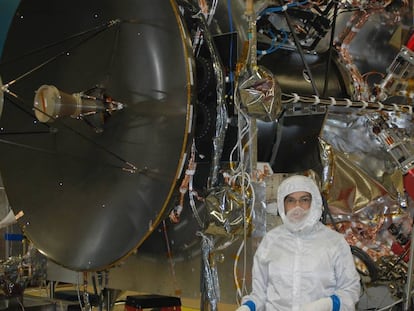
93,186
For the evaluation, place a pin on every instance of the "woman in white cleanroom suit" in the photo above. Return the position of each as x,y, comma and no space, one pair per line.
302,265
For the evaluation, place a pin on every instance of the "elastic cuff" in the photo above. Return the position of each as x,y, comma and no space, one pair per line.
336,303
252,305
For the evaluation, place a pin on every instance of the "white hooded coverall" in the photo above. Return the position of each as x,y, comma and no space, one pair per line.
299,266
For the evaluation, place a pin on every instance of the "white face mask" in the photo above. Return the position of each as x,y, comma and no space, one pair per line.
297,214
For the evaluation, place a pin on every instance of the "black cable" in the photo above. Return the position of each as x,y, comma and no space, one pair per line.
331,47
302,55
368,262
21,106
326,211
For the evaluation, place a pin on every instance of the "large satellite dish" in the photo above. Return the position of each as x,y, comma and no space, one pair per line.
93,184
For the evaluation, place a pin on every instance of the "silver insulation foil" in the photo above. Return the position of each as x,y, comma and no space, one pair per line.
363,182
260,95
211,287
